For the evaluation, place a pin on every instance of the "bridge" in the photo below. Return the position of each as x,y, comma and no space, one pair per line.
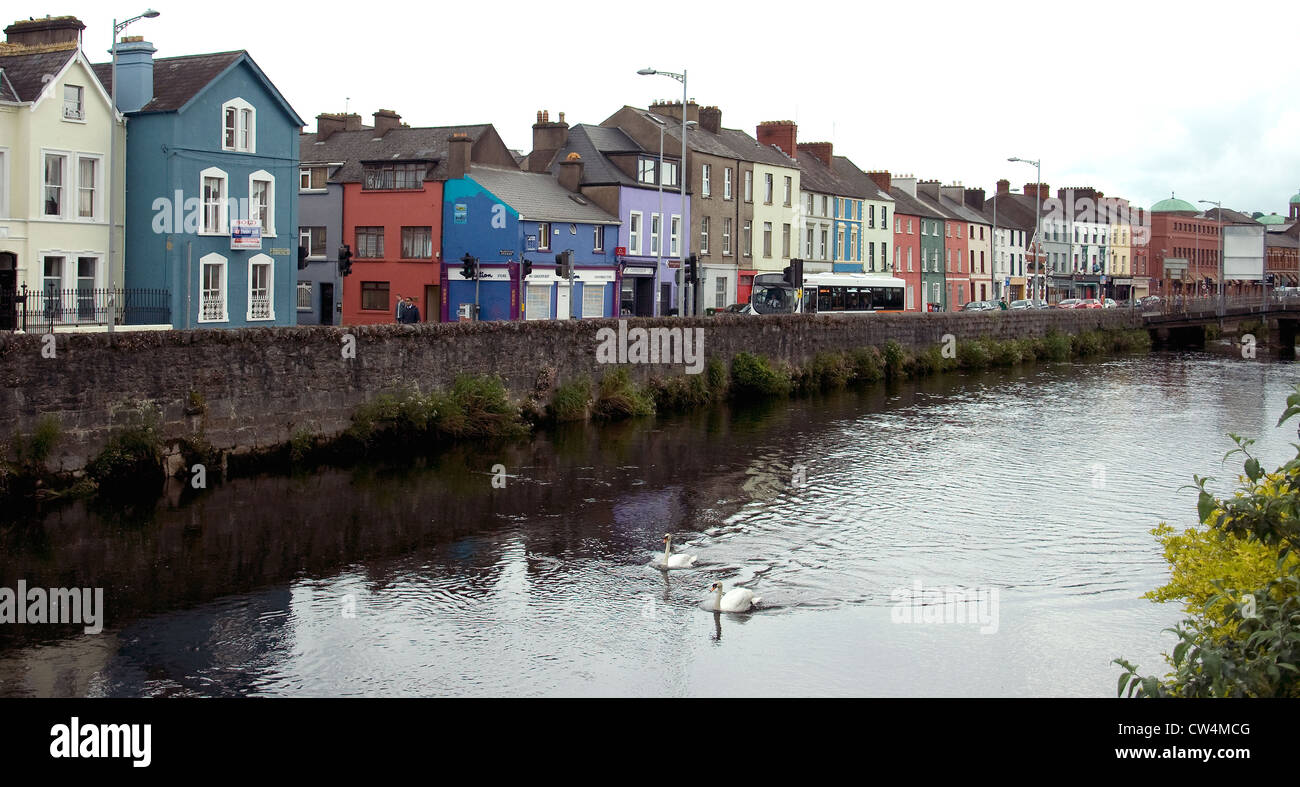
1183,320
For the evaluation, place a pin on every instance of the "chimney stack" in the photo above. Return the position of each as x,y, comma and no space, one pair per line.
548,137
134,73
1038,190
571,173
711,119
458,154
929,188
1004,187
822,151
673,109
782,133
906,184
881,179
385,121
50,30
975,199
955,193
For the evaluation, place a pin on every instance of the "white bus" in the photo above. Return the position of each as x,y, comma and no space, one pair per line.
828,293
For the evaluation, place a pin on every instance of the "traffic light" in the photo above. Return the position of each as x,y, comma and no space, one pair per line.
345,260
564,265
693,269
786,277
528,268
796,272
302,257
469,266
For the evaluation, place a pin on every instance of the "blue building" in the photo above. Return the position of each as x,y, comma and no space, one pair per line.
211,188
504,217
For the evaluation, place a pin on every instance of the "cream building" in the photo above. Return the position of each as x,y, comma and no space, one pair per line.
55,122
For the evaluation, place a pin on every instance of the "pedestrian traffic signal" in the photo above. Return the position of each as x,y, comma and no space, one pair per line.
345,260
693,269
469,266
302,257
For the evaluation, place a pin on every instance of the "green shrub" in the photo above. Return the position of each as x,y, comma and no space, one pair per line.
1007,353
1055,346
474,406
1086,344
868,364
753,377
32,451
570,401
131,460
974,354
826,371
620,398
718,379
895,359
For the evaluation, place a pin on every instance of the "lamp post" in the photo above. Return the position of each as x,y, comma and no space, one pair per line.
681,179
1218,206
1038,221
112,165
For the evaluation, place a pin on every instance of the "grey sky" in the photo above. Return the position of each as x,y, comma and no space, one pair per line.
1136,98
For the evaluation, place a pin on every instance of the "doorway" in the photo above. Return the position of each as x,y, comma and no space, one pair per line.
432,302
562,310
327,303
8,292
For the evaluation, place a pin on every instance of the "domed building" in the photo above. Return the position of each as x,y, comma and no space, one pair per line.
1175,205
1273,218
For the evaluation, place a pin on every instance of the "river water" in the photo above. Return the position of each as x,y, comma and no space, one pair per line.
1032,490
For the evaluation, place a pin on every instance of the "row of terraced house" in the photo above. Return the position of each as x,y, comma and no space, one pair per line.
230,212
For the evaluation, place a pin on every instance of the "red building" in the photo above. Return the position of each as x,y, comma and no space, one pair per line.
392,177
1183,253
907,242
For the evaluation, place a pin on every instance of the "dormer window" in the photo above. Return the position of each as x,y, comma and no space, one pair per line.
239,126
73,106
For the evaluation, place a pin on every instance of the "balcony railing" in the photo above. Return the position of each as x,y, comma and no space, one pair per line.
259,308
49,309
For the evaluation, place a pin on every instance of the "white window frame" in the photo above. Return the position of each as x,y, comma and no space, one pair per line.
706,180
80,115
726,183
598,238
588,289
67,183
223,203
656,233
543,236
245,127
262,176
215,259
704,235
635,229
749,185
305,285
726,236
674,233
97,195
266,261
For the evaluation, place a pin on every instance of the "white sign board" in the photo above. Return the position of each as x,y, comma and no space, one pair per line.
1243,252
245,234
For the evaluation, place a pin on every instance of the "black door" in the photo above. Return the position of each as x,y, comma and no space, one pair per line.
326,303
8,288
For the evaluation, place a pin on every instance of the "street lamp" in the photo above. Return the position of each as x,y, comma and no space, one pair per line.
1038,223
112,165
659,242
681,179
1219,214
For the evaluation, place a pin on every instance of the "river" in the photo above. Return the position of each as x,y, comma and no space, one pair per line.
1033,489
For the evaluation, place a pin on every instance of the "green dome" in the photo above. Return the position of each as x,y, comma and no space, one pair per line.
1296,199
1173,205
1272,218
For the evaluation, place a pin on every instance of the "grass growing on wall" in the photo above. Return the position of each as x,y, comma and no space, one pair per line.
475,406
620,398
570,402
753,376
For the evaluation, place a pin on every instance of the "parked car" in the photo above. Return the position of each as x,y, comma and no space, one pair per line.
740,308
979,306
1088,303
1069,303
1022,304
1109,303
1150,302
1039,303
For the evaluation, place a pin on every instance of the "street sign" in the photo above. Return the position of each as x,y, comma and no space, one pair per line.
620,251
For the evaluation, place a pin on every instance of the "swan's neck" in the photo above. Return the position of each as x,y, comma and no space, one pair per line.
717,599
668,550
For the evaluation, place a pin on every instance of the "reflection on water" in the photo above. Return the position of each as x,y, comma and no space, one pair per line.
423,579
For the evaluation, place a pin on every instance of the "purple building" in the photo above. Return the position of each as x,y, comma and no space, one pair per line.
621,177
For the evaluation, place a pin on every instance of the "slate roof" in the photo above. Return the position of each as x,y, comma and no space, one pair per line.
592,142
177,79
908,205
860,180
1014,210
27,70
727,143
399,144
538,196
1230,216
817,177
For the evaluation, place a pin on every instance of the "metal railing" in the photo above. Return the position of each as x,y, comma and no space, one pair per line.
50,309
1209,306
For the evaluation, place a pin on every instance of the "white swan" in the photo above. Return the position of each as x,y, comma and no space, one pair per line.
670,560
736,600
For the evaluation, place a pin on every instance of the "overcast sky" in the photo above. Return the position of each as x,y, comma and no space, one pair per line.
1138,99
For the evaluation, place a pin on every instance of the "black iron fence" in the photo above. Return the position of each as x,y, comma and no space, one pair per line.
46,310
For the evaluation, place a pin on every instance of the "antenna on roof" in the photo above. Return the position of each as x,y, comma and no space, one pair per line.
346,100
